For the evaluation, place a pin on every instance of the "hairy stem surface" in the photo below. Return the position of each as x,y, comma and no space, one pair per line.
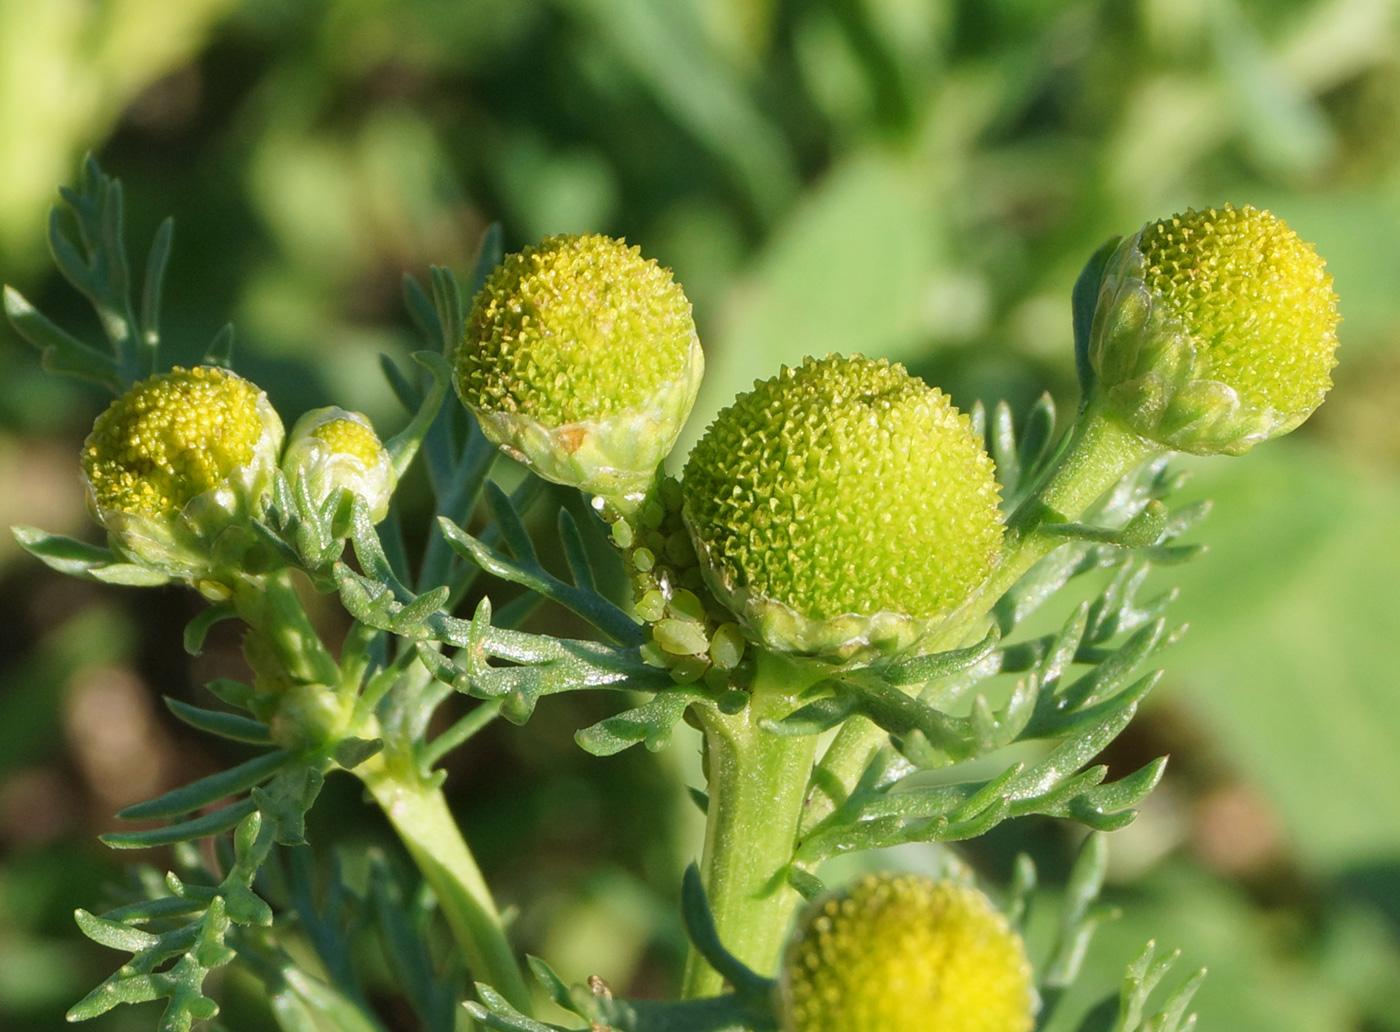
757,785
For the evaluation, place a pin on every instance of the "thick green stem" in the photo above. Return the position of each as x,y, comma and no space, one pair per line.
757,784
420,815
1100,452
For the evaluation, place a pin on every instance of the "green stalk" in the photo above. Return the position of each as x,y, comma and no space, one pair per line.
420,814
281,646
1100,452
284,649
757,785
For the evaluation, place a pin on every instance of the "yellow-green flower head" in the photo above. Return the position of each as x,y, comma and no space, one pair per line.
1215,330
842,508
330,449
580,359
907,954
177,461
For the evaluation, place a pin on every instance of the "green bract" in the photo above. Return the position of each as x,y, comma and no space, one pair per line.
910,954
330,448
580,359
842,508
1215,330
177,464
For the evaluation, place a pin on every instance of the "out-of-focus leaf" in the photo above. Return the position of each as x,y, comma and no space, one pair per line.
1254,982
1291,656
849,270
91,62
662,44
31,693
1284,126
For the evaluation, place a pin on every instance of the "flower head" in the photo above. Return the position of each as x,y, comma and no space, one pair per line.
177,460
842,508
905,952
330,449
1215,330
580,359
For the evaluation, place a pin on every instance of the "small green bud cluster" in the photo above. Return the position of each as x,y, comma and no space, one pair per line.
1215,330
906,953
177,462
330,449
179,466
307,716
842,509
688,632
580,359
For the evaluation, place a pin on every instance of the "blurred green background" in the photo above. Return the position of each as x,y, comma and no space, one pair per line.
919,179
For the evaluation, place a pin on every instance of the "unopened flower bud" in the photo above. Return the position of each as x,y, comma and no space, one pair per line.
910,954
580,359
842,509
330,449
1215,330
307,716
177,466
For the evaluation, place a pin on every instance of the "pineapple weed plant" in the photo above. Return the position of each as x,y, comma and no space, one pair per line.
825,594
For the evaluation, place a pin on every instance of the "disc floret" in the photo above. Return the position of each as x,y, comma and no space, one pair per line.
1215,330
910,953
178,460
842,508
580,358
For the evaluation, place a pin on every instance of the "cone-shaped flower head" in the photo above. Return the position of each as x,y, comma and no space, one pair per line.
177,461
842,508
330,448
910,954
580,359
1215,330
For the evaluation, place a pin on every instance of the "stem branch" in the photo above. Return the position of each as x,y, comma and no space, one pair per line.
285,649
423,821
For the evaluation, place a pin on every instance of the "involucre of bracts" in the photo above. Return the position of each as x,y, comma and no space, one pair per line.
331,448
1215,330
177,461
580,359
842,508
909,953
